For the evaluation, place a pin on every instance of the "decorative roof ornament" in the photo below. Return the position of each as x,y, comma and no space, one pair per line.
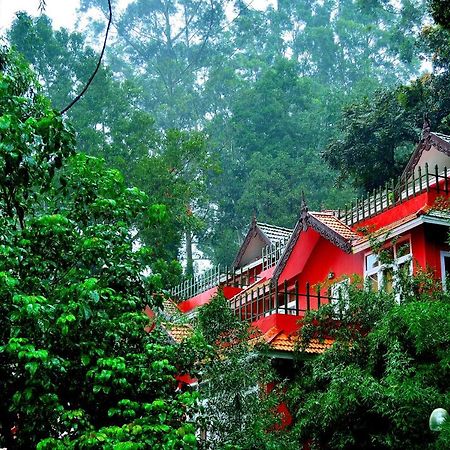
304,213
426,128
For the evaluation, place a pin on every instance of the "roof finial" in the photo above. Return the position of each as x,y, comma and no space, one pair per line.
304,206
426,128
304,213
254,218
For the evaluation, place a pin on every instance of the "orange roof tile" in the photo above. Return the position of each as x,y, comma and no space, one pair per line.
332,222
171,308
280,341
178,332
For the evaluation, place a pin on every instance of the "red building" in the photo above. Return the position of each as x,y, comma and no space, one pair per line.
279,274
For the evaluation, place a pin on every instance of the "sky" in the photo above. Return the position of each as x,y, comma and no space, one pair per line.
63,12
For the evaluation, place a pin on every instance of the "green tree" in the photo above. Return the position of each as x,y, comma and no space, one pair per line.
387,370
170,166
77,368
237,409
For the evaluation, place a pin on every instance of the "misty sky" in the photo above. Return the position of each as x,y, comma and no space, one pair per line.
62,12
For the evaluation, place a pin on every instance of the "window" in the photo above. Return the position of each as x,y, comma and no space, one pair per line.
339,295
445,268
384,270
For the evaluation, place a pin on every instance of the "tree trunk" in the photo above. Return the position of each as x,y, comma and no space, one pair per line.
189,258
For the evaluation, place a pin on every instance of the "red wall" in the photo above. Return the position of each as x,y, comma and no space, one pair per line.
408,207
313,258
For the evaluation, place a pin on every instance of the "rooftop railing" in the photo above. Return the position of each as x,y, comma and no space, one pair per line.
217,276
225,276
394,193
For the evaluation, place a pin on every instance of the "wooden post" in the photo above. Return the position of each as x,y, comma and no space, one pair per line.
414,182
446,180
276,297
436,174
285,295
420,179
240,306
257,302
269,306
308,300
394,192
318,297
427,178
296,298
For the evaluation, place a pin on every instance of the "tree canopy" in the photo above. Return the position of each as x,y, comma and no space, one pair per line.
78,369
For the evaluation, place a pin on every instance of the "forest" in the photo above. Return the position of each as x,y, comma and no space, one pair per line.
200,116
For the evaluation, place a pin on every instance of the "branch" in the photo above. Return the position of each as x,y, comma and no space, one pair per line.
78,97
42,6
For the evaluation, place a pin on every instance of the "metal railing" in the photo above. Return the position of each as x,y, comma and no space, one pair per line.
272,253
217,276
226,276
394,193
264,300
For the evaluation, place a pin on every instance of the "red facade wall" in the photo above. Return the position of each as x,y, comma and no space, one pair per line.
316,260
313,258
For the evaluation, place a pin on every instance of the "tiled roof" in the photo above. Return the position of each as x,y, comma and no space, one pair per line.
178,332
170,308
274,233
280,341
439,213
444,137
318,346
332,222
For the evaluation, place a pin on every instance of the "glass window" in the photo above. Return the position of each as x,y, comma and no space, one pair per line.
385,271
403,249
445,269
372,261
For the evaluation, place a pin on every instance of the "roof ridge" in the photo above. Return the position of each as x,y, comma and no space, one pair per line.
274,226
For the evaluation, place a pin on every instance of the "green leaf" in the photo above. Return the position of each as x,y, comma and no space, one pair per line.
5,122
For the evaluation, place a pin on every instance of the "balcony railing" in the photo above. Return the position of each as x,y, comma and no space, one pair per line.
225,276
394,193
264,300
217,276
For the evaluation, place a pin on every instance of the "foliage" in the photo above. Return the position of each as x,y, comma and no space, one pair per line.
383,376
237,409
77,369
440,10
379,123
169,166
266,86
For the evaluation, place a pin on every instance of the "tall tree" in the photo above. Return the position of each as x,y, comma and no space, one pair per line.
77,368
387,370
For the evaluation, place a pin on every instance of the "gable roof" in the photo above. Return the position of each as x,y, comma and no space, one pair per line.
327,225
274,233
269,234
429,139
